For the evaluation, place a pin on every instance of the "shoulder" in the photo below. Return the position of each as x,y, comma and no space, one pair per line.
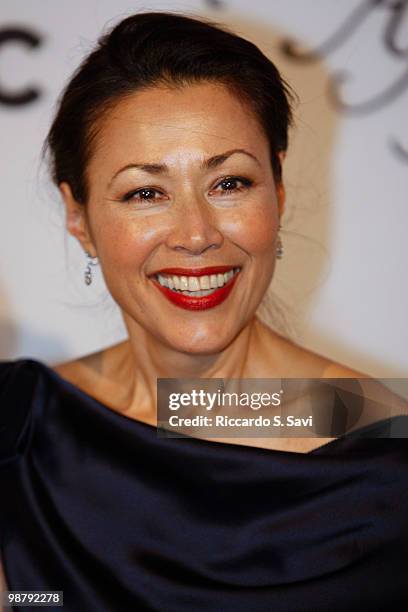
333,369
101,374
8,370
287,359
18,380
84,371
16,374
316,365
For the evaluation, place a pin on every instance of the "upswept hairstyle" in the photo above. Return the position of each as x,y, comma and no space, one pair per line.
160,48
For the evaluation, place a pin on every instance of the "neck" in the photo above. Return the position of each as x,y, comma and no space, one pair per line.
154,360
144,359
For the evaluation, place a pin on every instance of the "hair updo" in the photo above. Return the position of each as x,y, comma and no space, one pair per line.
159,48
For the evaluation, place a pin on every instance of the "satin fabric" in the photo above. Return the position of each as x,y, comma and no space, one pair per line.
97,505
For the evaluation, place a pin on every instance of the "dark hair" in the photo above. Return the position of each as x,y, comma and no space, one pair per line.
155,48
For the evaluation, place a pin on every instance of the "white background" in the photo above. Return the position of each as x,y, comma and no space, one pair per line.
343,279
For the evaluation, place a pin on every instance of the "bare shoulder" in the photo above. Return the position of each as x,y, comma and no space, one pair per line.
382,400
291,360
88,369
103,374
76,370
338,370
326,366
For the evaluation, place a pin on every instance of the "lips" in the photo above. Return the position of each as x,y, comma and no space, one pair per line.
189,302
195,271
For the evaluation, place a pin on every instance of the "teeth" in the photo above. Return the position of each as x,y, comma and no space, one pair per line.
184,283
193,283
213,281
204,282
197,286
198,293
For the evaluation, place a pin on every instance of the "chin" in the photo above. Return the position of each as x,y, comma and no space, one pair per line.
208,343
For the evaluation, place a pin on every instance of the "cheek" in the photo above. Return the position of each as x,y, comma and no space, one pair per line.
255,230
126,242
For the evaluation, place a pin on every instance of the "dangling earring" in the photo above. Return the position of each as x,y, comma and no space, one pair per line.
279,246
92,261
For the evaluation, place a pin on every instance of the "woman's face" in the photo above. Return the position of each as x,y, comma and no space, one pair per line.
181,179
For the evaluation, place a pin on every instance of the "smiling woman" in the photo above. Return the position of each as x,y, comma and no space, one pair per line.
191,203
167,149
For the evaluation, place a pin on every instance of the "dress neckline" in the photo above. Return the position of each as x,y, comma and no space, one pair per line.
137,423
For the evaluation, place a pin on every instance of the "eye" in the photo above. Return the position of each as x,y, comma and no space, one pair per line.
144,194
230,184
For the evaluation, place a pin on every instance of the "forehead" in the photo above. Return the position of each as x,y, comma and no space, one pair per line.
161,122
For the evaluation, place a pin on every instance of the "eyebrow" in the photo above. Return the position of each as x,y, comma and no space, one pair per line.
207,164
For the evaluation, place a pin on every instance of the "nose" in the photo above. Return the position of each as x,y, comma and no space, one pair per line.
195,228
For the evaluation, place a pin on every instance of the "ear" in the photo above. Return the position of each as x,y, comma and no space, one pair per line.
280,189
76,219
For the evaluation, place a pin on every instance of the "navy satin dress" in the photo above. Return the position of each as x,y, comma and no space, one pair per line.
96,505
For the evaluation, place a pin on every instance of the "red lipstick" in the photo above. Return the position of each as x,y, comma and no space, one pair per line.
190,302
195,271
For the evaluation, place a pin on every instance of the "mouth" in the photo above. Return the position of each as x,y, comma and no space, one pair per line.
196,288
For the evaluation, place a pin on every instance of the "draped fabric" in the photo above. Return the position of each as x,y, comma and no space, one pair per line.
96,505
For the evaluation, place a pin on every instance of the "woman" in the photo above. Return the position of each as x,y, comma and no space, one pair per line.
167,148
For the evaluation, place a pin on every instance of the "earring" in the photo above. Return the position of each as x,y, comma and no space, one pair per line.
279,246
92,261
